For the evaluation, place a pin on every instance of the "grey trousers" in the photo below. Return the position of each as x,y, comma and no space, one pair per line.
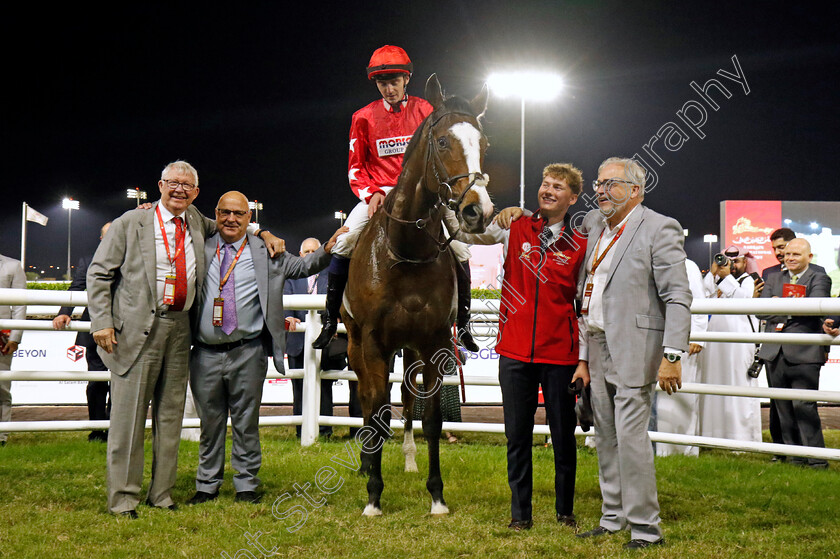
625,454
159,376
5,394
222,383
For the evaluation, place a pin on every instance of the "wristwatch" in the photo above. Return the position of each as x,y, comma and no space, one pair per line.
672,357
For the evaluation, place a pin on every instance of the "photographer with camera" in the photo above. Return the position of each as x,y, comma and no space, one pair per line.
732,276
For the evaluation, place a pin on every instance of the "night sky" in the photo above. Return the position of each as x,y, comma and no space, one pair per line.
259,99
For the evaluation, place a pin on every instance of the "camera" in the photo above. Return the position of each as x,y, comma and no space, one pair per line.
721,260
755,368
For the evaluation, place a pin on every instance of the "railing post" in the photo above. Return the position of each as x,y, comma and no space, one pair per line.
311,404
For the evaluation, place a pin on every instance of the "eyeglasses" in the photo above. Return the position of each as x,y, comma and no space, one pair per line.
608,184
175,184
226,213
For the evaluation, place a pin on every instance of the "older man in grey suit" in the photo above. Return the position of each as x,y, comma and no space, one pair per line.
796,366
635,303
240,321
141,284
11,276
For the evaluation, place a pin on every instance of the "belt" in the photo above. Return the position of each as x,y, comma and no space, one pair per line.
223,347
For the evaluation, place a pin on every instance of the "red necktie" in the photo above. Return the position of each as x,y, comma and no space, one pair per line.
180,267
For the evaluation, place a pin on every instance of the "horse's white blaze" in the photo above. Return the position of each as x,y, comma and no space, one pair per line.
410,451
439,508
371,510
470,139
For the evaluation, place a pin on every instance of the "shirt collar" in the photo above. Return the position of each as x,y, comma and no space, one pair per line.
165,214
388,106
800,274
236,245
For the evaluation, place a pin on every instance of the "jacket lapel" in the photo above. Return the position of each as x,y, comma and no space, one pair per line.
623,243
259,255
194,221
146,241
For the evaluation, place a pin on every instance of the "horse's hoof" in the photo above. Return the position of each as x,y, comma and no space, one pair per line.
439,508
372,510
411,467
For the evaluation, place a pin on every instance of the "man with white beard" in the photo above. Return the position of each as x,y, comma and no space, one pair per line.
726,363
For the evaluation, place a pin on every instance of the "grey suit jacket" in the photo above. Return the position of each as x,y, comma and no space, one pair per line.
271,276
121,281
12,276
817,284
647,298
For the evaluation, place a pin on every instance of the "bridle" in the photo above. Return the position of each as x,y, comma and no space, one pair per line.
444,195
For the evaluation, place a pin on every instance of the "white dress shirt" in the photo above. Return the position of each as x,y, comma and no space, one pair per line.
163,265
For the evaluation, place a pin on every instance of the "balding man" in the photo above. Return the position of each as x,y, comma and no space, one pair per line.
796,366
316,283
234,334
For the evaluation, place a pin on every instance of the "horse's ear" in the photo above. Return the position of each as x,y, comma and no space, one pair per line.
479,103
434,94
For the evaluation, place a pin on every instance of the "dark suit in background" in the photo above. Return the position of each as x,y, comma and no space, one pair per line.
796,366
294,352
97,390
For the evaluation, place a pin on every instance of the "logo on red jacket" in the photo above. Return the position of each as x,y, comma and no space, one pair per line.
562,258
392,146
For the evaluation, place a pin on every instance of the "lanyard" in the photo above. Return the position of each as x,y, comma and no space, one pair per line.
222,282
163,234
598,259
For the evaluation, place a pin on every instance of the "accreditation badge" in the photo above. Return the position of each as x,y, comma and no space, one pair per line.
587,294
169,290
218,308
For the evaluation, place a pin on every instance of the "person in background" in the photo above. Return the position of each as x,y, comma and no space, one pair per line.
97,391
796,366
11,276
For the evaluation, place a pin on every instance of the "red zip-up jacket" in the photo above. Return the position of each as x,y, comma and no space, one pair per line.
537,320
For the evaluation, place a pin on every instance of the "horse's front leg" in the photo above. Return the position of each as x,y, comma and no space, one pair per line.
434,366
411,365
375,400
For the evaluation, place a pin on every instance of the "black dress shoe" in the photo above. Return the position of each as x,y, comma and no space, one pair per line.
519,525
132,514
595,532
642,544
202,497
98,436
568,520
173,506
248,497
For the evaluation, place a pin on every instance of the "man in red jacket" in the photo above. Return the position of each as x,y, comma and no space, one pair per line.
379,134
538,337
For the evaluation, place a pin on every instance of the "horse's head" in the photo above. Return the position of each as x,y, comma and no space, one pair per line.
456,155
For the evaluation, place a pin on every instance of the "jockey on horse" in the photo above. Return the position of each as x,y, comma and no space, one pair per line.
379,134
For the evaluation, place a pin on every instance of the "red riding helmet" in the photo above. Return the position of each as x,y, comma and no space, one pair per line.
389,60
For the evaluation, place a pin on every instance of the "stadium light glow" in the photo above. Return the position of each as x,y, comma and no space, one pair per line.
135,194
69,204
527,85
815,225
710,239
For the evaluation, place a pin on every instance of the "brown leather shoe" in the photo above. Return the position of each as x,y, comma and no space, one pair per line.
568,520
519,525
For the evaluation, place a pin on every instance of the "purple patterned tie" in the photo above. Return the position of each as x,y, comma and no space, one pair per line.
229,322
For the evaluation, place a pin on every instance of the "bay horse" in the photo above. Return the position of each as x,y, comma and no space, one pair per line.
401,292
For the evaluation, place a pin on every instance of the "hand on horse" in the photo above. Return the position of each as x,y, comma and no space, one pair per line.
331,243
275,245
507,216
375,201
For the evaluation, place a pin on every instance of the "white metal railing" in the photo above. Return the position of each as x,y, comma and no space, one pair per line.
310,420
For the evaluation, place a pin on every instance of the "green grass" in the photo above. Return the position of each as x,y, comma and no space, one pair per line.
52,504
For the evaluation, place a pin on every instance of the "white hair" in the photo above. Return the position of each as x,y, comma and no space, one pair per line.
633,171
181,167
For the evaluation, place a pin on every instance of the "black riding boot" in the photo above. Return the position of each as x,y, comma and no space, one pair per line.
335,293
465,339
